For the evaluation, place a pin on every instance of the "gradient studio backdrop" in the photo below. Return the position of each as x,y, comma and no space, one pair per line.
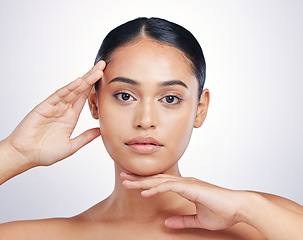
252,138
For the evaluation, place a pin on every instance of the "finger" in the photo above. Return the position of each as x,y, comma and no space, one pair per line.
87,83
84,139
100,65
185,189
72,90
134,177
129,176
183,221
79,102
60,94
146,183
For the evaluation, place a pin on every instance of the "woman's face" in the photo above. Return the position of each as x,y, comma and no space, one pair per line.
147,106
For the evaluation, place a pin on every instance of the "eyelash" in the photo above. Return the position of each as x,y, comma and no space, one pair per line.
119,96
179,100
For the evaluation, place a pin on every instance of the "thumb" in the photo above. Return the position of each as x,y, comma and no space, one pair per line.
183,221
84,139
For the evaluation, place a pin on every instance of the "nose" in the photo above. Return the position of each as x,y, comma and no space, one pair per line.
146,115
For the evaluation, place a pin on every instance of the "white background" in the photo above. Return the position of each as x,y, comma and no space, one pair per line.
252,138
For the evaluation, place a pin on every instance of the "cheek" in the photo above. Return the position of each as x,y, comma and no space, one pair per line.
178,128
110,120
111,117
112,124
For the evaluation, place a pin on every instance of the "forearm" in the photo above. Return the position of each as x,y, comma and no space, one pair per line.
273,221
11,163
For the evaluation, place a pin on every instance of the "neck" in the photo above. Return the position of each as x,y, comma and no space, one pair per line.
128,203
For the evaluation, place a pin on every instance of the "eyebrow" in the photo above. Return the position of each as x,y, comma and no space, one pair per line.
173,82
124,80
135,83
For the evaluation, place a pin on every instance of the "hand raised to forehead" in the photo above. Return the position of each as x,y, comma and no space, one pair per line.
43,137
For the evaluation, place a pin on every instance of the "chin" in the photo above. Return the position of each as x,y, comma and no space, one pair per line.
145,173
149,169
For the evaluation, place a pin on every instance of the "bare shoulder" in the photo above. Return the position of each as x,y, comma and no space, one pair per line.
57,228
77,227
283,202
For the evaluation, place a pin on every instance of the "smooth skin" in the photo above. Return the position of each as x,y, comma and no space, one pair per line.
151,200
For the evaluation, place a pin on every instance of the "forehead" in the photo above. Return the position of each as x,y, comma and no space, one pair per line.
149,60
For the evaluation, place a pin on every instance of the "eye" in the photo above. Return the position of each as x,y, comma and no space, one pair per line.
124,97
171,99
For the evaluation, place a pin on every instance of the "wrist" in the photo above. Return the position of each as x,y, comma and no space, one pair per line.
12,162
251,208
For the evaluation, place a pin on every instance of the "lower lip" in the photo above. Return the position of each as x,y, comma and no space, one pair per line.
144,148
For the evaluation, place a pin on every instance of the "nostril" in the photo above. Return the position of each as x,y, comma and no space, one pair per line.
151,126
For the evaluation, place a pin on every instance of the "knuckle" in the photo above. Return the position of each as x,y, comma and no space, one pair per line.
190,179
170,183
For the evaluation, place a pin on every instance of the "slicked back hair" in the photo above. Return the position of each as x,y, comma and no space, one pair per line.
162,31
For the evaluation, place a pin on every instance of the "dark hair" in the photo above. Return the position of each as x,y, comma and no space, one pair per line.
162,31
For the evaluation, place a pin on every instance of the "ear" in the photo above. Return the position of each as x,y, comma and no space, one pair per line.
92,103
202,108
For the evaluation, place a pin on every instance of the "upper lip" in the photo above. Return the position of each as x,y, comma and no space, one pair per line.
143,140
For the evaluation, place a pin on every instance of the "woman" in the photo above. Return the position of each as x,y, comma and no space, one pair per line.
149,98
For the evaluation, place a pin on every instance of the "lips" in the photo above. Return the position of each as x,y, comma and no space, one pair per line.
144,145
